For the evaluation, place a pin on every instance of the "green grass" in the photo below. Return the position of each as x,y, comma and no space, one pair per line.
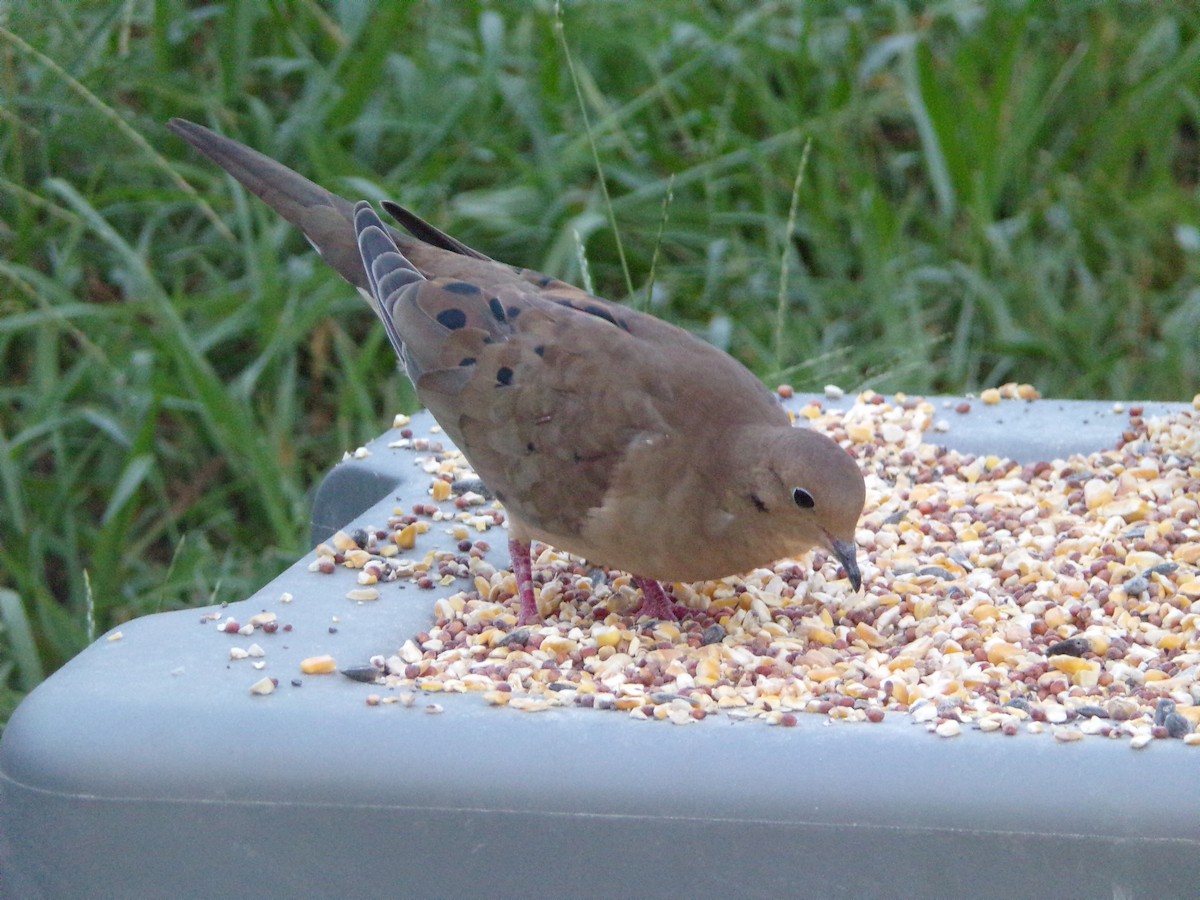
990,192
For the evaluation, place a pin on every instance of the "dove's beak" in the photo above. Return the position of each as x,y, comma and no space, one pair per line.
847,554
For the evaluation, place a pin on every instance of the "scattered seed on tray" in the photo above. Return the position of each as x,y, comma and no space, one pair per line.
997,596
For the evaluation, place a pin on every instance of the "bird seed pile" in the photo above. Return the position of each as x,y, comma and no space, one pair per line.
1059,596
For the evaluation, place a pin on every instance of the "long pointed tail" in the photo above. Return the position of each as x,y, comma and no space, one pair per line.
326,219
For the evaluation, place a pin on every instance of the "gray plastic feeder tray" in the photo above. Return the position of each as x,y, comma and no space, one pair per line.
145,767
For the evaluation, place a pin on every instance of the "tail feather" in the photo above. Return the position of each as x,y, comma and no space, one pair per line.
326,219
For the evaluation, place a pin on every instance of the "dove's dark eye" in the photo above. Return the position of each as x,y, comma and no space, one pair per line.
803,498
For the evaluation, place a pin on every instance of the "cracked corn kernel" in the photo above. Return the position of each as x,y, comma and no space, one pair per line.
343,542
318,665
406,537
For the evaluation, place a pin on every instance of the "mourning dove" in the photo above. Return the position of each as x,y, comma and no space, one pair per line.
605,432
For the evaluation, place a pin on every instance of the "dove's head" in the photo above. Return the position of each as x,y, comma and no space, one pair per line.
815,491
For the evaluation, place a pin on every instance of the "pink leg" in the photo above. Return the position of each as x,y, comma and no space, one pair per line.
655,603
523,569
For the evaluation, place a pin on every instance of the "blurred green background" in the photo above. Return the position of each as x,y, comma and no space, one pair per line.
979,192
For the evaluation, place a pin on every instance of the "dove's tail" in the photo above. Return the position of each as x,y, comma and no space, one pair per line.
326,219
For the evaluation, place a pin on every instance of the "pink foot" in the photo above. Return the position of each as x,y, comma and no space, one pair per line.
655,603
523,570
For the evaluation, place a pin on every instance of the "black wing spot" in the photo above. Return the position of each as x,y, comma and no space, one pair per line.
514,311
803,498
592,309
540,350
467,361
600,312
497,309
452,318
461,287
504,376
544,280
530,448
758,504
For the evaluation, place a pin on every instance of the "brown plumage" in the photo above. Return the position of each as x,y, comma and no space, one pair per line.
605,432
